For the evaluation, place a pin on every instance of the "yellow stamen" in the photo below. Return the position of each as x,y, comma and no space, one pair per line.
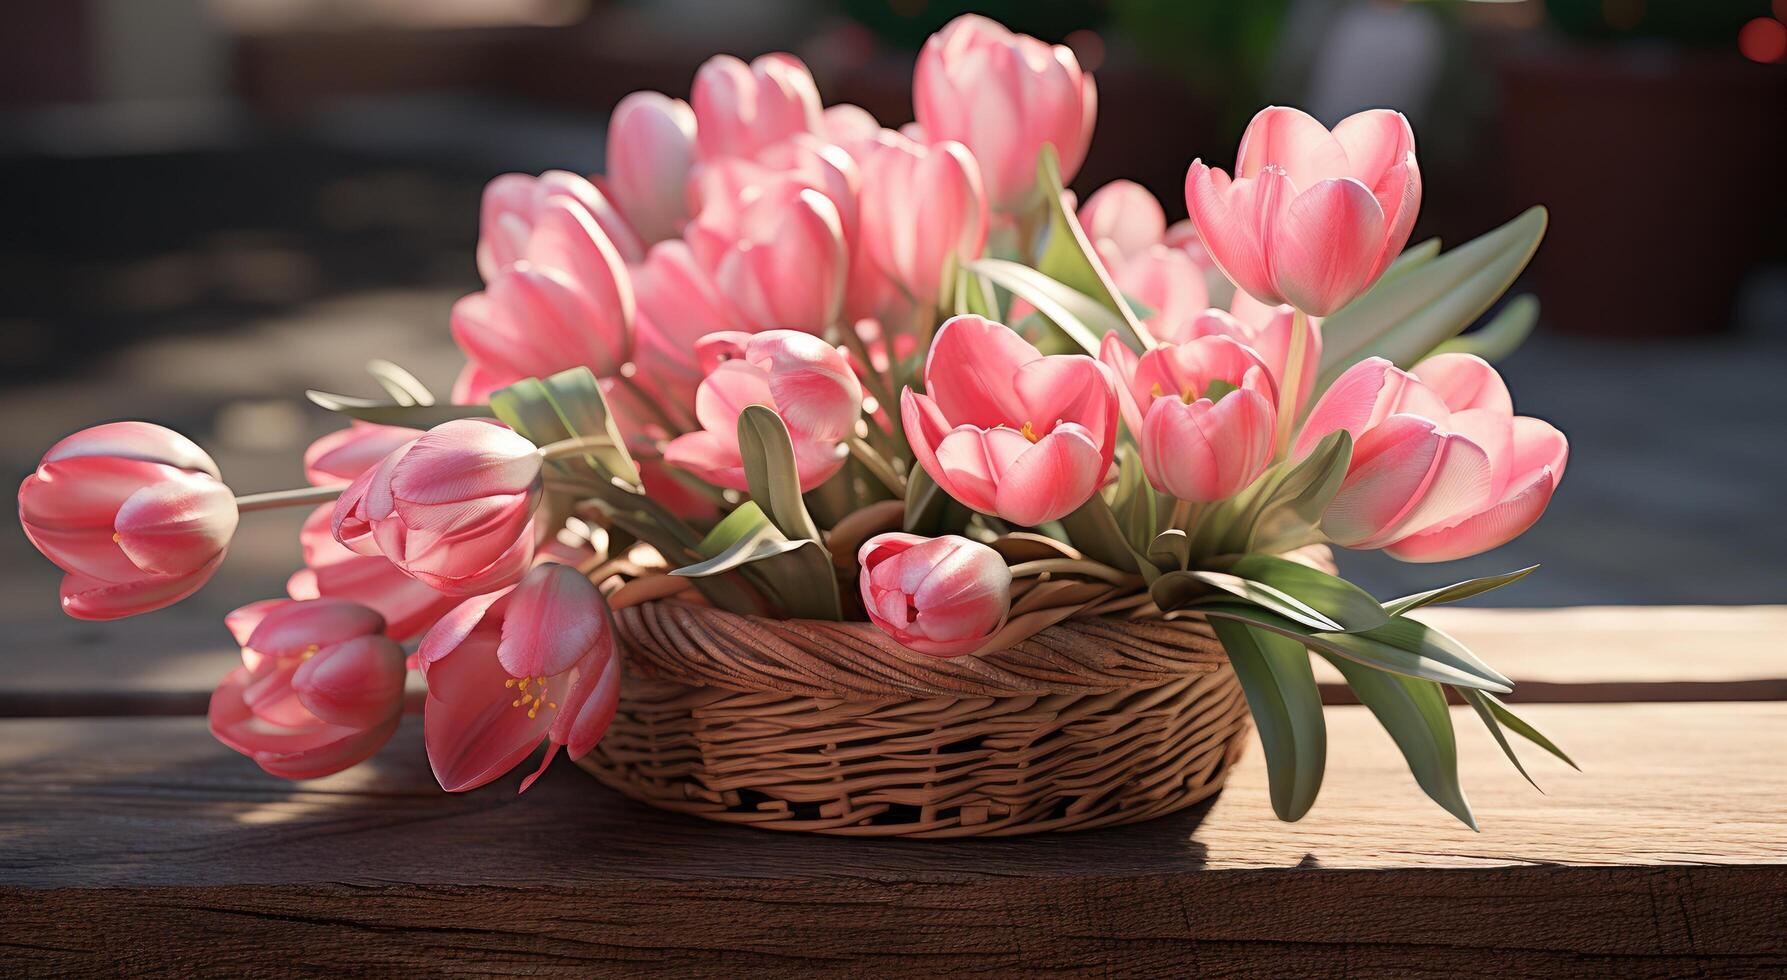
1028,432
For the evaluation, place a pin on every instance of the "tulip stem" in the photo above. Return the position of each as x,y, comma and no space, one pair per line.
289,498
876,465
1289,397
579,446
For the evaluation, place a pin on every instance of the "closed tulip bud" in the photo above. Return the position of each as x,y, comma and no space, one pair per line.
512,207
511,669
134,514
923,211
1311,218
567,302
651,147
943,596
1123,216
1442,468
1004,95
320,688
453,508
741,109
808,382
1006,430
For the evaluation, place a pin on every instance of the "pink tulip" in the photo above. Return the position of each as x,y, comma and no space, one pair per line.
678,305
1442,468
319,689
514,205
346,453
806,381
1164,280
1266,329
727,189
453,508
135,515
1122,217
1202,412
940,596
1007,431
917,244
651,147
850,127
780,261
1004,95
330,570
1311,218
559,297
740,108
534,662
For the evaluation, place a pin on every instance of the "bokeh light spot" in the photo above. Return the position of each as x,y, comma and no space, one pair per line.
1763,39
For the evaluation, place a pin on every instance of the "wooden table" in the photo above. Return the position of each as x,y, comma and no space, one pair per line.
131,842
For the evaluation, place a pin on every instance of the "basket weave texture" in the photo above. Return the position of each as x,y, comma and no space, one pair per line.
832,727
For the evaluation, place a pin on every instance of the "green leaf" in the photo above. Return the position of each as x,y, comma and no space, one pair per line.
1502,335
403,387
1093,529
1455,591
1411,258
744,520
1134,502
1412,635
1170,548
1396,651
564,406
1068,257
1475,700
929,510
1287,709
771,471
1260,594
797,575
1078,316
1414,713
385,413
974,295
1294,498
1524,729
1335,598
1406,317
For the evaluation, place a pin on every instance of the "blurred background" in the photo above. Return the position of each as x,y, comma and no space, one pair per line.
210,205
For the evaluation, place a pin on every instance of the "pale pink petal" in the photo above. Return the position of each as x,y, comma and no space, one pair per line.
1486,529
358,683
1465,381
176,526
554,618
1052,478
971,369
1325,247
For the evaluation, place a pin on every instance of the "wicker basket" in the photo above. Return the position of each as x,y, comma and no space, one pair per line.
833,728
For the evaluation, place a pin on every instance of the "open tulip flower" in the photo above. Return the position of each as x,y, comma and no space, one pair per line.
1004,95
1442,468
453,508
557,293
511,669
1202,412
941,596
1266,329
1311,218
808,382
135,514
320,688
779,257
1006,430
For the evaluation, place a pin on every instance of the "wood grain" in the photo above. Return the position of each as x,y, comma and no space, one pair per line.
131,844
167,664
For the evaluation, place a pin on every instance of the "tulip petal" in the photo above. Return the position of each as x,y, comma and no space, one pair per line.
1292,140
176,526
555,617
971,368
473,730
358,683
1486,529
92,599
1326,245
1052,478
1465,381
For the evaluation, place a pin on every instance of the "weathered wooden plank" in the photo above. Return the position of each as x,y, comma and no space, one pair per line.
167,664
132,843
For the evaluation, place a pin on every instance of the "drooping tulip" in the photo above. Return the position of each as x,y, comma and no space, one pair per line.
1311,218
134,513
565,302
651,146
1442,468
319,688
808,382
453,508
942,596
780,260
408,605
511,669
741,109
1006,430
922,211
1202,412
1004,95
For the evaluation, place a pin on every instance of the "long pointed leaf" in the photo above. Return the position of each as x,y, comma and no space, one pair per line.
1520,726
1335,598
1068,256
1455,591
1502,335
1172,585
771,471
1414,713
1432,663
403,387
385,413
1287,709
1080,317
1475,700
563,406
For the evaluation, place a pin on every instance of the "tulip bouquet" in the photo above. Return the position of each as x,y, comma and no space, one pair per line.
782,362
